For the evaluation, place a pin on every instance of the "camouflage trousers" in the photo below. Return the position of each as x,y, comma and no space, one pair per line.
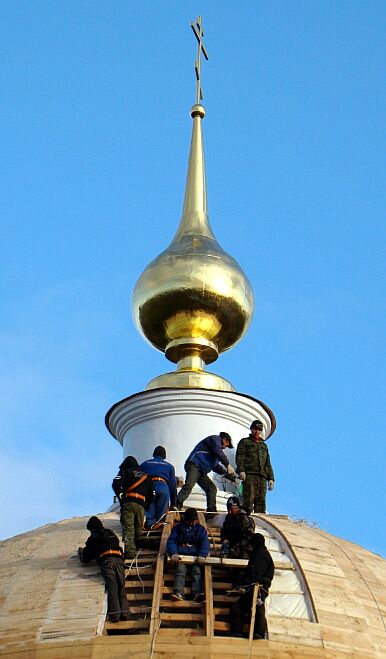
254,490
132,517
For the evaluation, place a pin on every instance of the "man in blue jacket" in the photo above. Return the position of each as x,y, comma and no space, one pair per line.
188,538
164,482
207,456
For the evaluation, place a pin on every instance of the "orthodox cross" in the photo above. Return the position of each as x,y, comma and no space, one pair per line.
199,34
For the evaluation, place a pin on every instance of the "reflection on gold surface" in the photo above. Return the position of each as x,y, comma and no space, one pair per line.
193,301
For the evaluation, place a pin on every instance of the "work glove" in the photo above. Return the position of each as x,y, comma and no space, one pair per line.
201,560
240,591
175,558
271,485
243,475
230,470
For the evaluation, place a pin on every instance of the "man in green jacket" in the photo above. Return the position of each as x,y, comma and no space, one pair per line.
254,467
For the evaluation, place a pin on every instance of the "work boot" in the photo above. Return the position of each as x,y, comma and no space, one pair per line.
114,617
198,597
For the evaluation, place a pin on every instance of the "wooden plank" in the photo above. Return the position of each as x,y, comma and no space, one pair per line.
159,573
232,562
182,616
208,620
139,596
182,604
127,624
135,583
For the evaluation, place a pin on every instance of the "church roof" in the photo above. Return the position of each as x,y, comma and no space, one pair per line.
52,606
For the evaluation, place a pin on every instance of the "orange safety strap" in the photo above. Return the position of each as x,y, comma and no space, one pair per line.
136,495
111,551
134,485
158,478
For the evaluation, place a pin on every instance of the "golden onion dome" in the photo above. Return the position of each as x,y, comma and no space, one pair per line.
193,301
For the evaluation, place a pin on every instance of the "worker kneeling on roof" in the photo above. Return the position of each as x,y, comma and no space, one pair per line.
134,490
188,538
103,545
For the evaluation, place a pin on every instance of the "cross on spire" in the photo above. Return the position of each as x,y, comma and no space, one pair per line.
199,34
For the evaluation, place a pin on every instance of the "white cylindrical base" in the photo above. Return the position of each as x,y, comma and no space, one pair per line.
179,418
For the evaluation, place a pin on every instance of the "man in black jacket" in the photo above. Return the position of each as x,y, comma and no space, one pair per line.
103,545
260,571
135,492
237,531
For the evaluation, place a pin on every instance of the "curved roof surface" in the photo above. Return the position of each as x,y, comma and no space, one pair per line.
51,606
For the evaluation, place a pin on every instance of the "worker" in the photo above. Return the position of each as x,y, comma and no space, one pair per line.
103,545
260,571
188,538
237,531
208,455
134,490
254,467
163,476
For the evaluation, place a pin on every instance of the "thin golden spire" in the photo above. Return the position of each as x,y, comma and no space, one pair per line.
193,301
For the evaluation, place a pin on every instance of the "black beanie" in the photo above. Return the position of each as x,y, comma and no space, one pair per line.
94,523
159,452
190,515
130,462
257,541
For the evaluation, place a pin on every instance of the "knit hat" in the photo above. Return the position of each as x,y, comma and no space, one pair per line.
159,452
257,541
233,501
94,523
256,424
190,515
130,462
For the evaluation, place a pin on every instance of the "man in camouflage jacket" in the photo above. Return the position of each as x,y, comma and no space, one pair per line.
255,469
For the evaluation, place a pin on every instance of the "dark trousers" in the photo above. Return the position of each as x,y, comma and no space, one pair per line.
195,475
241,610
254,492
113,571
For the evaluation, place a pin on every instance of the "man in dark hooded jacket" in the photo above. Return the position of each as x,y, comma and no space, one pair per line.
260,571
237,531
103,545
134,490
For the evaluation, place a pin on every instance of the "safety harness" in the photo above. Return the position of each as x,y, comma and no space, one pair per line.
136,495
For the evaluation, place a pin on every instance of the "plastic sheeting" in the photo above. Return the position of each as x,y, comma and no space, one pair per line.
288,606
286,581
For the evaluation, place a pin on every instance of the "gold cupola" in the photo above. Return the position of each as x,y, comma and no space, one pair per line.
193,301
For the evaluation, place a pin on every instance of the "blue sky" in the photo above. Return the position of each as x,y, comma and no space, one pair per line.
95,137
